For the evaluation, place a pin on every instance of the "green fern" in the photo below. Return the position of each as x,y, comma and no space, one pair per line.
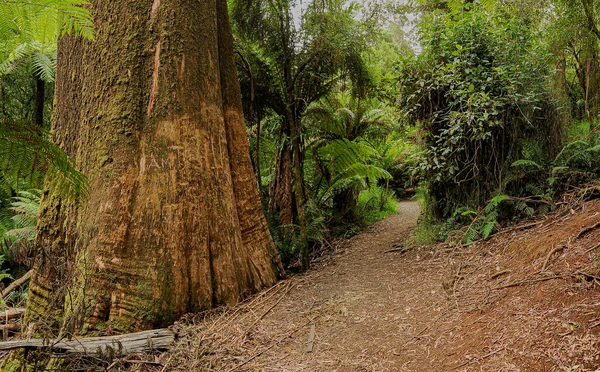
527,163
25,207
30,30
26,152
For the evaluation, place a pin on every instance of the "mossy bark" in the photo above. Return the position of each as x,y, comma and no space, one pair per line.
151,113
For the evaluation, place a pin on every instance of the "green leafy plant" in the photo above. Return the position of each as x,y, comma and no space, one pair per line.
26,152
18,227
479,93
30,29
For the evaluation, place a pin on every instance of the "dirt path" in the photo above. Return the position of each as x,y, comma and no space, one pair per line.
371,306
430,309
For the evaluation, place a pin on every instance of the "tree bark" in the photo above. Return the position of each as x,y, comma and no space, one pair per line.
40,94
151,112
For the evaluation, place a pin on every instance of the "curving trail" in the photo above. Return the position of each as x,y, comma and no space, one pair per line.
373,309
430,309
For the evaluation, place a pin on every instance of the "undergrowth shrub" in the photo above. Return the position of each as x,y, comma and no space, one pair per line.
375,204
479,91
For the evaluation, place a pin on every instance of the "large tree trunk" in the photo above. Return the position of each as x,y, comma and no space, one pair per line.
151,112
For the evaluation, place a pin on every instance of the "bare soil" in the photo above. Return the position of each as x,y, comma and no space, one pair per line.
489,307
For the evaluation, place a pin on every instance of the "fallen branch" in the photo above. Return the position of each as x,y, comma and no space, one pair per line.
587,230
17,283
552,251
531,281
11,313
11,327
114,346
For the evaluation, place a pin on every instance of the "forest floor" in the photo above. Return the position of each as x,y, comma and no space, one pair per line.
526,300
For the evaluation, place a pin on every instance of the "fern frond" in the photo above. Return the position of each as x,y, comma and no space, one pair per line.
526,163
45,65
27,153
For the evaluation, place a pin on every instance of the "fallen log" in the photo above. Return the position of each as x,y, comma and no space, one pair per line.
112,346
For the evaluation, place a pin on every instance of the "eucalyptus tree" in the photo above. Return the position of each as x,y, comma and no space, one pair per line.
287,61
150,111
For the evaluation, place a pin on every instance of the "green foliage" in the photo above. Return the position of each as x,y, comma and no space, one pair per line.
347,162
24,219
18,223
375,204
26,153
481,224
576,163
479,92
288,242
31,29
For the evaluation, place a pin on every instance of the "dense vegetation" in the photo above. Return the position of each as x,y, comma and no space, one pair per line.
490,113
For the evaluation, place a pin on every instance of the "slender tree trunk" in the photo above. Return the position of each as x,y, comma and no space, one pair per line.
282,196
299,194
40,93
587,92
151,112
257,154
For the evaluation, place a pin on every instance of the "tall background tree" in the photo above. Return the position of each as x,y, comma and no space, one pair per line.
290,57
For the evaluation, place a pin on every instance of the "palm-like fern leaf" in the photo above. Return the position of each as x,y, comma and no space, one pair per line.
31,30
27,152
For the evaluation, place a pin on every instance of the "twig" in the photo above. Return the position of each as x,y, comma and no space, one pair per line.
591,249
270,308
588,275
311,338
494,276
587,230
552,251
480,358
17,283
595,325
164,368
423,330
532,281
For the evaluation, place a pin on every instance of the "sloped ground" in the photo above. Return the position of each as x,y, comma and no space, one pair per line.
502,305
